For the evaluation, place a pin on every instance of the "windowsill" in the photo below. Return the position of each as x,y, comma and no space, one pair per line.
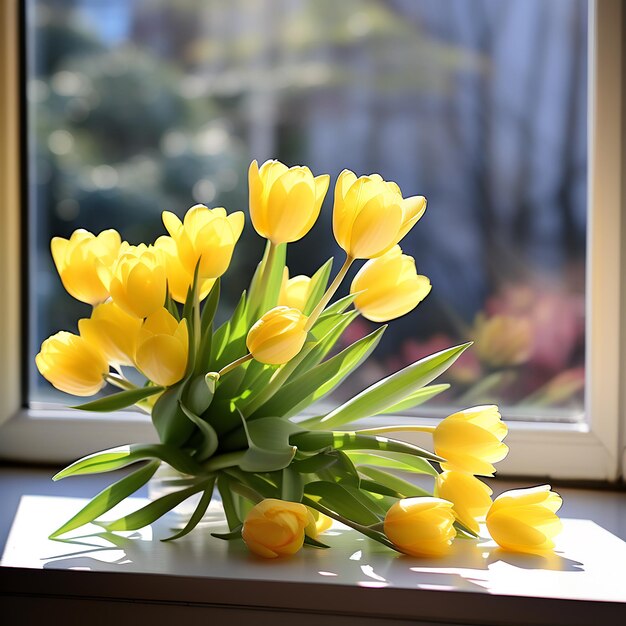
357,581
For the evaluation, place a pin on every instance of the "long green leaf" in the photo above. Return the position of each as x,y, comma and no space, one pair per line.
115,458
272,286
400,485
291,486
318,284
210,307
169,421
322,379
197,515
120,400
209,436
390,390
325,344
109,497
415,399
156,509
395,460
342,501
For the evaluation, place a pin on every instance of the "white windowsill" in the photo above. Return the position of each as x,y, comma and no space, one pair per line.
356,582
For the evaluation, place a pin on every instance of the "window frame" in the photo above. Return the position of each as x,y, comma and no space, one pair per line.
595,450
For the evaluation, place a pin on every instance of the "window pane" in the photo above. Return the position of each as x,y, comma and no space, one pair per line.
137,107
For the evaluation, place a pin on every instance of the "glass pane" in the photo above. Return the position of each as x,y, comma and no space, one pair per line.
136,107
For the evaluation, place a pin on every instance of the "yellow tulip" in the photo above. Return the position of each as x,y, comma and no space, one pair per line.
205,235
275,528
470,497
72,364
391,286
370,216
137,281
294,292
78,258
284,202
113,331
421,526
278,336
162,348
471,440
525,520
318,523
503,340
179,280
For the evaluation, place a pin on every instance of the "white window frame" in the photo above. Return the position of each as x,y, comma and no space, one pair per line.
595,450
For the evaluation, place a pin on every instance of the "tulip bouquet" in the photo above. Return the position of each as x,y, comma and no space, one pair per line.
227,402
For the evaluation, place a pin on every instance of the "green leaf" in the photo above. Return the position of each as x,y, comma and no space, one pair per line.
171,306
209,436
197,394
315,463
338,307
235,533
109,497
226,494
210,307
315,543
391,390
268,444
120,400
322,379
404,487
291,485
415,399
197,515
172,425
156,509
116,458
339,499
229,341
395,460
325,344
374,487
343,471
318,284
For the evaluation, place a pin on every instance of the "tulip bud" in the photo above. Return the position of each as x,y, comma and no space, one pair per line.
470,497
113,331
78,258
525,520
162,348
275,528
471,440
318,523
72,364
294,292
370,216
208,235
284,202
421,526
137,281
278,336
503,340
179,280
391,286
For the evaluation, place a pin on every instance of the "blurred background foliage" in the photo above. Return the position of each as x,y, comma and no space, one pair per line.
136,107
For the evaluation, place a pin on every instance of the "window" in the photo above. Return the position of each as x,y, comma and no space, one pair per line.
380,80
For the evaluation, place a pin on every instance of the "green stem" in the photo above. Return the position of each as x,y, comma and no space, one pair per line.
265,277
234,364
330,292
119,381
394,429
